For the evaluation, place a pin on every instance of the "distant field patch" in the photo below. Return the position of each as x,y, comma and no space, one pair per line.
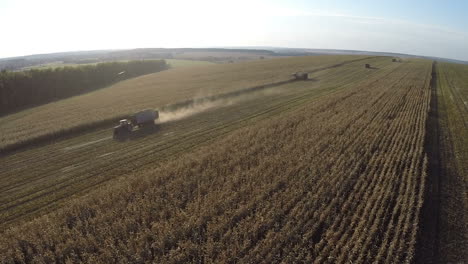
175,63
57,64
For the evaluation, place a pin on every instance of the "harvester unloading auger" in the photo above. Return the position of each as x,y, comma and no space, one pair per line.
140,120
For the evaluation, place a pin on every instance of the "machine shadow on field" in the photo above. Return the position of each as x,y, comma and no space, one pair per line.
141,133
428,252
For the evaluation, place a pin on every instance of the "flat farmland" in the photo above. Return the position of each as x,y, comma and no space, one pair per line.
175,63
328,170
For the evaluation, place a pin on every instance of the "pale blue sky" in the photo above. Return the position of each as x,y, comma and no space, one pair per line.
432,28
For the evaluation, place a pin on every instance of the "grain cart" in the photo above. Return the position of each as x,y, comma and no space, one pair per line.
137,121
301,76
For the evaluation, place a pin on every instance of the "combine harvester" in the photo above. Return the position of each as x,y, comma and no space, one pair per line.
138,121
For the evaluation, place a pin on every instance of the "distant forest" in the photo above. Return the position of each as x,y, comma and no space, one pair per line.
19,90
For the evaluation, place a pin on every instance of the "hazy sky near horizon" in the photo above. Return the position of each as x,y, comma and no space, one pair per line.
431,28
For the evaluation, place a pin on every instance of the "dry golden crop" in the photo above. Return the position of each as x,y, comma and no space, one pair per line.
336,180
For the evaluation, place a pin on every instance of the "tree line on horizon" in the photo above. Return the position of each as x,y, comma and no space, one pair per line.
20,90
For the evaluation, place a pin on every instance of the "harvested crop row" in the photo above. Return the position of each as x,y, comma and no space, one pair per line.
338,179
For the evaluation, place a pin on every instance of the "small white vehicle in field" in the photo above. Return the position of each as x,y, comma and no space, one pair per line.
140,120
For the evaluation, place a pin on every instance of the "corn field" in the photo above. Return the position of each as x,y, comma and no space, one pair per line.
337,180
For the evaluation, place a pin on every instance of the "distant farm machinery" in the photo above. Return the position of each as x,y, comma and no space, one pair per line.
138,121
300,76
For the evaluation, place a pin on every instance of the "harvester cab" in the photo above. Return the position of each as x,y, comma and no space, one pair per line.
123,130
126,123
